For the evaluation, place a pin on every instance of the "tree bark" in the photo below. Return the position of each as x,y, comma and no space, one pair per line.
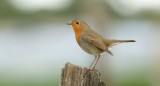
73,75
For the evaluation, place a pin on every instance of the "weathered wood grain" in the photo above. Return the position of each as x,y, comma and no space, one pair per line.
73,75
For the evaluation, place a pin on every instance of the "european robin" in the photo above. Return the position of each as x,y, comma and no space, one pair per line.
91,42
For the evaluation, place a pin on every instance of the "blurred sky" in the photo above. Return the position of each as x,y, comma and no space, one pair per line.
35,41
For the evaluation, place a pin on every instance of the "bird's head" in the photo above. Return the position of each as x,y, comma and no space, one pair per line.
77,25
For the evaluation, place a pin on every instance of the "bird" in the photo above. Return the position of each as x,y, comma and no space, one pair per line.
92,42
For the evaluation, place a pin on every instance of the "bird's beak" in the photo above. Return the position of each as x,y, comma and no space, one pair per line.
68,23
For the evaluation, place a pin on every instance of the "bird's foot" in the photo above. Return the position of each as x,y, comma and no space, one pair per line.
94,69
87,71
91,70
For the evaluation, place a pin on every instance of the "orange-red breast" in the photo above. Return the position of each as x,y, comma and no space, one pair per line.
91,42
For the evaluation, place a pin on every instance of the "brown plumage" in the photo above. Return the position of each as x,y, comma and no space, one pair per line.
91,42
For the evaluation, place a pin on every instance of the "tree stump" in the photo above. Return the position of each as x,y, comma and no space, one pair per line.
73,75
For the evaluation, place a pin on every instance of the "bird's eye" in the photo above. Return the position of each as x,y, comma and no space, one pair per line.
77,22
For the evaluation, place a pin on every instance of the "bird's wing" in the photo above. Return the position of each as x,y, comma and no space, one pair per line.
94,40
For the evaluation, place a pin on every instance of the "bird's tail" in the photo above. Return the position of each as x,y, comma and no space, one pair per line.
110,43
121,41
115,42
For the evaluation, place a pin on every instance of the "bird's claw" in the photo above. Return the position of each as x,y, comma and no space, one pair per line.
90,70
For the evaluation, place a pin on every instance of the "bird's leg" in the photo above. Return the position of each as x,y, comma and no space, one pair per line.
98,56
92,62
88,70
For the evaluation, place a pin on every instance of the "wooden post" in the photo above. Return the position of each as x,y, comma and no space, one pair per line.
73,75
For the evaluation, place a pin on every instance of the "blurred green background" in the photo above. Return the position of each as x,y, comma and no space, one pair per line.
35,41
